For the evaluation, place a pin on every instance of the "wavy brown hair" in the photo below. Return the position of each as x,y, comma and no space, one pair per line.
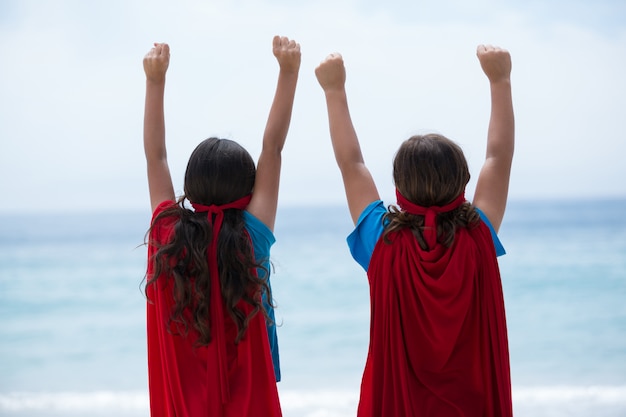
430,170
219,171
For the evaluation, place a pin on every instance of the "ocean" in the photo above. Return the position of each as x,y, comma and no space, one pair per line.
72,311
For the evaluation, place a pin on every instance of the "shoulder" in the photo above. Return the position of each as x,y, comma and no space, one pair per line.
496,240
161,226
158,219
367,232
163,206
260,234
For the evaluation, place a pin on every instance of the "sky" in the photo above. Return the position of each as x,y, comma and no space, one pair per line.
72,91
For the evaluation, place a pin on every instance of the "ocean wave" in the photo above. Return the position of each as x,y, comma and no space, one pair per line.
552,394
307,402
74,401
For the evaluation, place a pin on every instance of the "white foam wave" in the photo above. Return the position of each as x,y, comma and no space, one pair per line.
73,401
314,403
598,394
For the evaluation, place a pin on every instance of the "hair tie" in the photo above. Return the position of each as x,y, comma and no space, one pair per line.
429,213
217,312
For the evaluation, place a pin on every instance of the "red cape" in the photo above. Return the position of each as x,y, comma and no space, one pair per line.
184,379
438,339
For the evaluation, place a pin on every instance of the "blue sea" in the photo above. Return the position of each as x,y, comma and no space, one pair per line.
72,311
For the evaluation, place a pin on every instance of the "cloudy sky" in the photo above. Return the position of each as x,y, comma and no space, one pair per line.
72,91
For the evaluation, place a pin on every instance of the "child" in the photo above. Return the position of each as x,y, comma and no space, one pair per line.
438,339
210,352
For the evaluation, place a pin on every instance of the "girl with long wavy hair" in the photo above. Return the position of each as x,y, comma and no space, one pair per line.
212,346
438,337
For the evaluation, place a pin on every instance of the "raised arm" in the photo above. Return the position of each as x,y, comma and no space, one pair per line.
265,197
155,65
493,182
357,180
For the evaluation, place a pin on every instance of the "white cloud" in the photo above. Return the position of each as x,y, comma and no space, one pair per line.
71,105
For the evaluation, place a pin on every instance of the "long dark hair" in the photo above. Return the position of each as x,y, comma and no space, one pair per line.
219,171
431,170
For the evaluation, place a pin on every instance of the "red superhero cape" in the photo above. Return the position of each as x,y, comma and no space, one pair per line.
186,380
438,339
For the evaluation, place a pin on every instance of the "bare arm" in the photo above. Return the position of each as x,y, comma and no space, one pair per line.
155,65
358,182
493,182
265,197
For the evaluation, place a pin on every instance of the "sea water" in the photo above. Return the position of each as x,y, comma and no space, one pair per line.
72,311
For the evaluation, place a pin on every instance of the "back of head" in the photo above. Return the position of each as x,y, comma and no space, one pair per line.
219,171
430,170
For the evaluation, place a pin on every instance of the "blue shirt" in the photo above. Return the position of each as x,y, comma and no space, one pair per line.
262,240
369,228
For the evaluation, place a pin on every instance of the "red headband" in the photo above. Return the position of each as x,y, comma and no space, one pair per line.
430,214
217,312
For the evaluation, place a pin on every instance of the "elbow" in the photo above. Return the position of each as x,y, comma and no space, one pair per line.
272,149
347,166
